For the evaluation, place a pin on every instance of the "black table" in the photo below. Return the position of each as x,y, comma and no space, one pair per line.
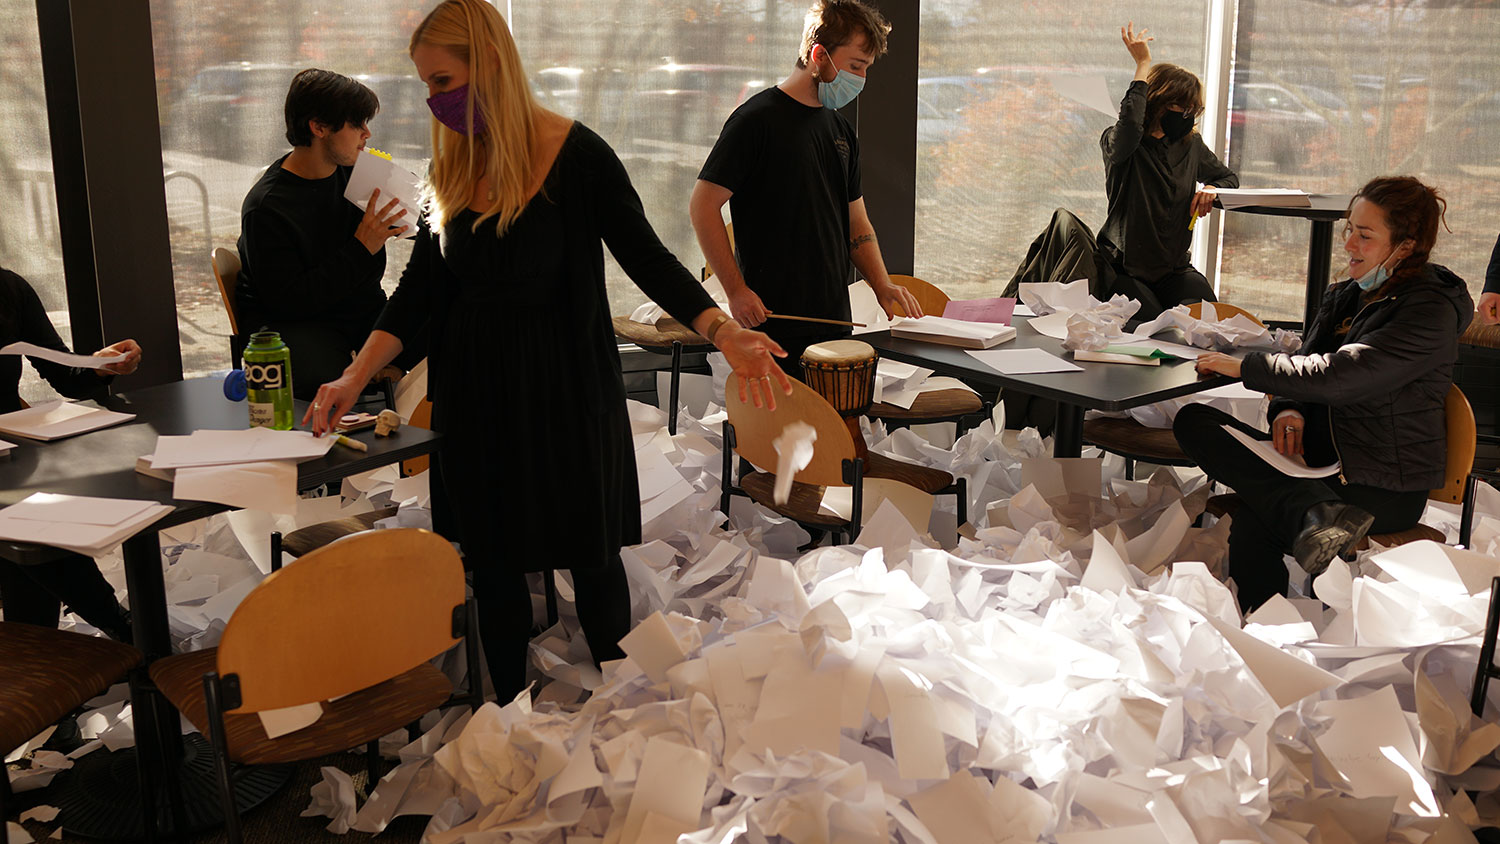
1100,386
1325,211
102,464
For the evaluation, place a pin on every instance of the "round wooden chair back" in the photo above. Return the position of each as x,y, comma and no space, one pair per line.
1224,311
354,613
755,428
932,300
226,266
1462,444
420,418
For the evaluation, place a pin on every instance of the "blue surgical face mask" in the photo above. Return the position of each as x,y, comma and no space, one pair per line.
1376,277
841,91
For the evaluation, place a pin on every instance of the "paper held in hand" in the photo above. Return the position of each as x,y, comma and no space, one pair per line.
1292,467
372,171
953,332
32,350
55,420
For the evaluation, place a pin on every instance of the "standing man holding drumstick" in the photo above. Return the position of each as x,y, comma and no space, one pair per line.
788,165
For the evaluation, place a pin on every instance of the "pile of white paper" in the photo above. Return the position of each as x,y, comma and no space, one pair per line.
254,468
55,420
1212,332
89,526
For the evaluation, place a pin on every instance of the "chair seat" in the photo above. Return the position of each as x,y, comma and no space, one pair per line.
1130,438
1414,533
937,406
929,480
659,337
1479,334
300,542
45,674
350,721
801,505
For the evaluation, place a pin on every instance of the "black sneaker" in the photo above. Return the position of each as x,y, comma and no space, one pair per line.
1330,529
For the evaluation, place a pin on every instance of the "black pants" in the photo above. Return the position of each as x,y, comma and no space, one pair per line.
505,618
1180,287
1065,251
35,594
1273,505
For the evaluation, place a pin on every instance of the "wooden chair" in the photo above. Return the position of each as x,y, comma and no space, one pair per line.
46,674
1134,441
749,432
352,626
1458,481
939,405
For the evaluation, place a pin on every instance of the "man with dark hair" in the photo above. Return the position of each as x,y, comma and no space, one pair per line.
311,261
788,165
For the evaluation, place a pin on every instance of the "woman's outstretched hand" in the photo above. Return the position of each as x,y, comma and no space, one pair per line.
750,354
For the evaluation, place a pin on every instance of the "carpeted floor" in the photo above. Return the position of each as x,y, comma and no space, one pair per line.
276,821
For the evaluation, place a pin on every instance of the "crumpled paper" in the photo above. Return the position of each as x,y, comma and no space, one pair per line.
1092,330
1210,332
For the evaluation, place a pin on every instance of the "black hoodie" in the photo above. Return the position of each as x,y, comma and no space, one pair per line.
1384,385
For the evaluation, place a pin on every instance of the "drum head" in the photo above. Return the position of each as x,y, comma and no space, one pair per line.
836,352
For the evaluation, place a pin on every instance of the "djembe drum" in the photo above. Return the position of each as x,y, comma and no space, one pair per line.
843,372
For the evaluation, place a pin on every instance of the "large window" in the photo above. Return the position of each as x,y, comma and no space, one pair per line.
997,148
29,243
1327,96
656,80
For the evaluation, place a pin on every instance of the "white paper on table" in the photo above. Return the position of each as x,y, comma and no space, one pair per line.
1232,198
76,509
55,420
1088,89
1287,678
1048,296
246,445
89,540
269,485
794,450
936,326
1292,468
671,784
279,722
394,182
1022,361
1054,325
1369,741
65,358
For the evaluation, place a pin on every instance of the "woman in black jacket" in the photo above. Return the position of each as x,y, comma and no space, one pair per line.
35,594
1367,389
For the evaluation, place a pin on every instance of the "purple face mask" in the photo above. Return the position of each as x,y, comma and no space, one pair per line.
448,107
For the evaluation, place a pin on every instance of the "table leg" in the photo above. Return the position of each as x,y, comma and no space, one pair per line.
1067,436
1319,254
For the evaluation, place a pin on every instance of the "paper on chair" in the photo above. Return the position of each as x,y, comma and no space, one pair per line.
247,445
269,485
372,171
1087,89
58,419
1291,467
32,350
1023,361
279,722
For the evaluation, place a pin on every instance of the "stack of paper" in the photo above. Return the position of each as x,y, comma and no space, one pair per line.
55,420
953,332
997,309
253,467
5,447
89,526
1262,197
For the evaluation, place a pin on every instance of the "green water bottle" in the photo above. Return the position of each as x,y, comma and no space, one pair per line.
268,377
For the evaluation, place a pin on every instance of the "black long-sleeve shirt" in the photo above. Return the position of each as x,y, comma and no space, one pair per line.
23,319
1150,183
299,259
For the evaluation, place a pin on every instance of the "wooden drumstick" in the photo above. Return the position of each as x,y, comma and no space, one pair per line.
816,319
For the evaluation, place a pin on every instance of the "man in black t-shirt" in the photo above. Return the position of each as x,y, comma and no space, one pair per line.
788,165
311,260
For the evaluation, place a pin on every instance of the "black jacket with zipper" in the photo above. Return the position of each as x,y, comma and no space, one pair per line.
1385,384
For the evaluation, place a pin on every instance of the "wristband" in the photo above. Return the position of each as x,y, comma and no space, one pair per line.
717,324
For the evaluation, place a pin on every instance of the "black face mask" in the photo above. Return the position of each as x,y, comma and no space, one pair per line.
1176,125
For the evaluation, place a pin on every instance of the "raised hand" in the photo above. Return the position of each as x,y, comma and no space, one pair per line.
1138,43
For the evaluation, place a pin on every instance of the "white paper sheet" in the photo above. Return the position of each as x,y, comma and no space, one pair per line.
794,450
1286,678
64,358
247,445
1370,742
1086,88
58,419
1289,466
671,784
394,182
75,509
269,485
1232,198
87,539
280,722
1022,361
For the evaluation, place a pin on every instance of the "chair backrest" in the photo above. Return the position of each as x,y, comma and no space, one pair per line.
931,299
1462,444
755,428
421,417
344,617
226,266
1224,311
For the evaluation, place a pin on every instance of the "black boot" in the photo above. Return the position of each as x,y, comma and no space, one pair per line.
1330,529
